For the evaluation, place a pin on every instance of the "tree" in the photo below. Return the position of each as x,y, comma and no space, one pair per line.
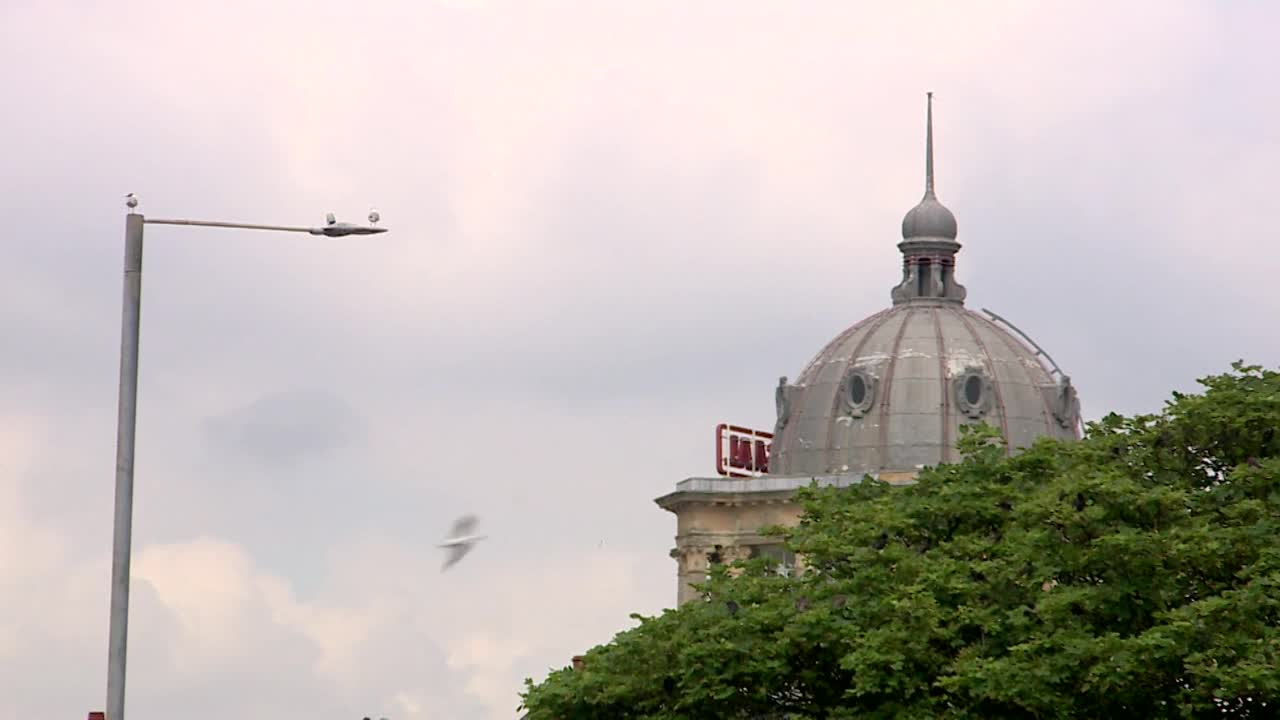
1135,573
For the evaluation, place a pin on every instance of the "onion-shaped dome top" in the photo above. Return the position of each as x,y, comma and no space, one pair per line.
929,219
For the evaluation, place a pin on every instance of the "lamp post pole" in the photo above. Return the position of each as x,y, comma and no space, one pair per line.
127,422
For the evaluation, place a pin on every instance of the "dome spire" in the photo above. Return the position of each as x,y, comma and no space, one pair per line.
928,146
930,218
929,239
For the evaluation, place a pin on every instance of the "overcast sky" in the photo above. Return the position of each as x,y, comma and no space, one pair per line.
613,225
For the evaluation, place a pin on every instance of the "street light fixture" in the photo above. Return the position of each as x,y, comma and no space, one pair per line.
333,229
127,421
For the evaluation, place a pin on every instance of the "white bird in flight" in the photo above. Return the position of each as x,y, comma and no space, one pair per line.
461,539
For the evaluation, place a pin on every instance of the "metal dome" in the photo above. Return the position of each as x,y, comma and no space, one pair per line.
890,393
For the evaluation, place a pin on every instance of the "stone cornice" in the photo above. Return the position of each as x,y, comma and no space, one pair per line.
761,490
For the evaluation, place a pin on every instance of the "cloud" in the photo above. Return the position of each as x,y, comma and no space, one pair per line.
288,655
285,427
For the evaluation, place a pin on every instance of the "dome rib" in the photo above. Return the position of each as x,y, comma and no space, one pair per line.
805,379
995,379
1020,351
879,319
947,443
886,389
839,339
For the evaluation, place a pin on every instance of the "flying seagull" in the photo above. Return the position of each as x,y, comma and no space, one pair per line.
461,539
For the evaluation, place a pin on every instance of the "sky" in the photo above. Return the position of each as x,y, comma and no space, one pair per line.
612,226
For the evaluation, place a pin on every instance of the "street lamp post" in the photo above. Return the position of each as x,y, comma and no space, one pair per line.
126,423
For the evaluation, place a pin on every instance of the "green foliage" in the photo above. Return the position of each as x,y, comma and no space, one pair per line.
1135,573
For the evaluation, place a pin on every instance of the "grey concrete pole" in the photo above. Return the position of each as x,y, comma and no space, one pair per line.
126,423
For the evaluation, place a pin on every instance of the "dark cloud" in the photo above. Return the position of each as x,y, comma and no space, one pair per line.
285,427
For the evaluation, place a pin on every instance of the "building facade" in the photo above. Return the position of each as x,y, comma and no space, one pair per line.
886,398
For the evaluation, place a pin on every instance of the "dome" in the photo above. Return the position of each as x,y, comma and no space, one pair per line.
929,219
890,394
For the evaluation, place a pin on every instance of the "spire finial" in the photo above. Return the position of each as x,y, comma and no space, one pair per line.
928,240
928,147
929,218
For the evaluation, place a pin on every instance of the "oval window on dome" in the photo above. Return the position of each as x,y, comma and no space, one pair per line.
859,392
973,389
971,392
857,389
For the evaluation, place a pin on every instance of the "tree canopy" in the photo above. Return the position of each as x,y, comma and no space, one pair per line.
1135,573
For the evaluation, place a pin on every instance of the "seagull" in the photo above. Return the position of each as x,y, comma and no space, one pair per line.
329,219
131,201
461,539
374,217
